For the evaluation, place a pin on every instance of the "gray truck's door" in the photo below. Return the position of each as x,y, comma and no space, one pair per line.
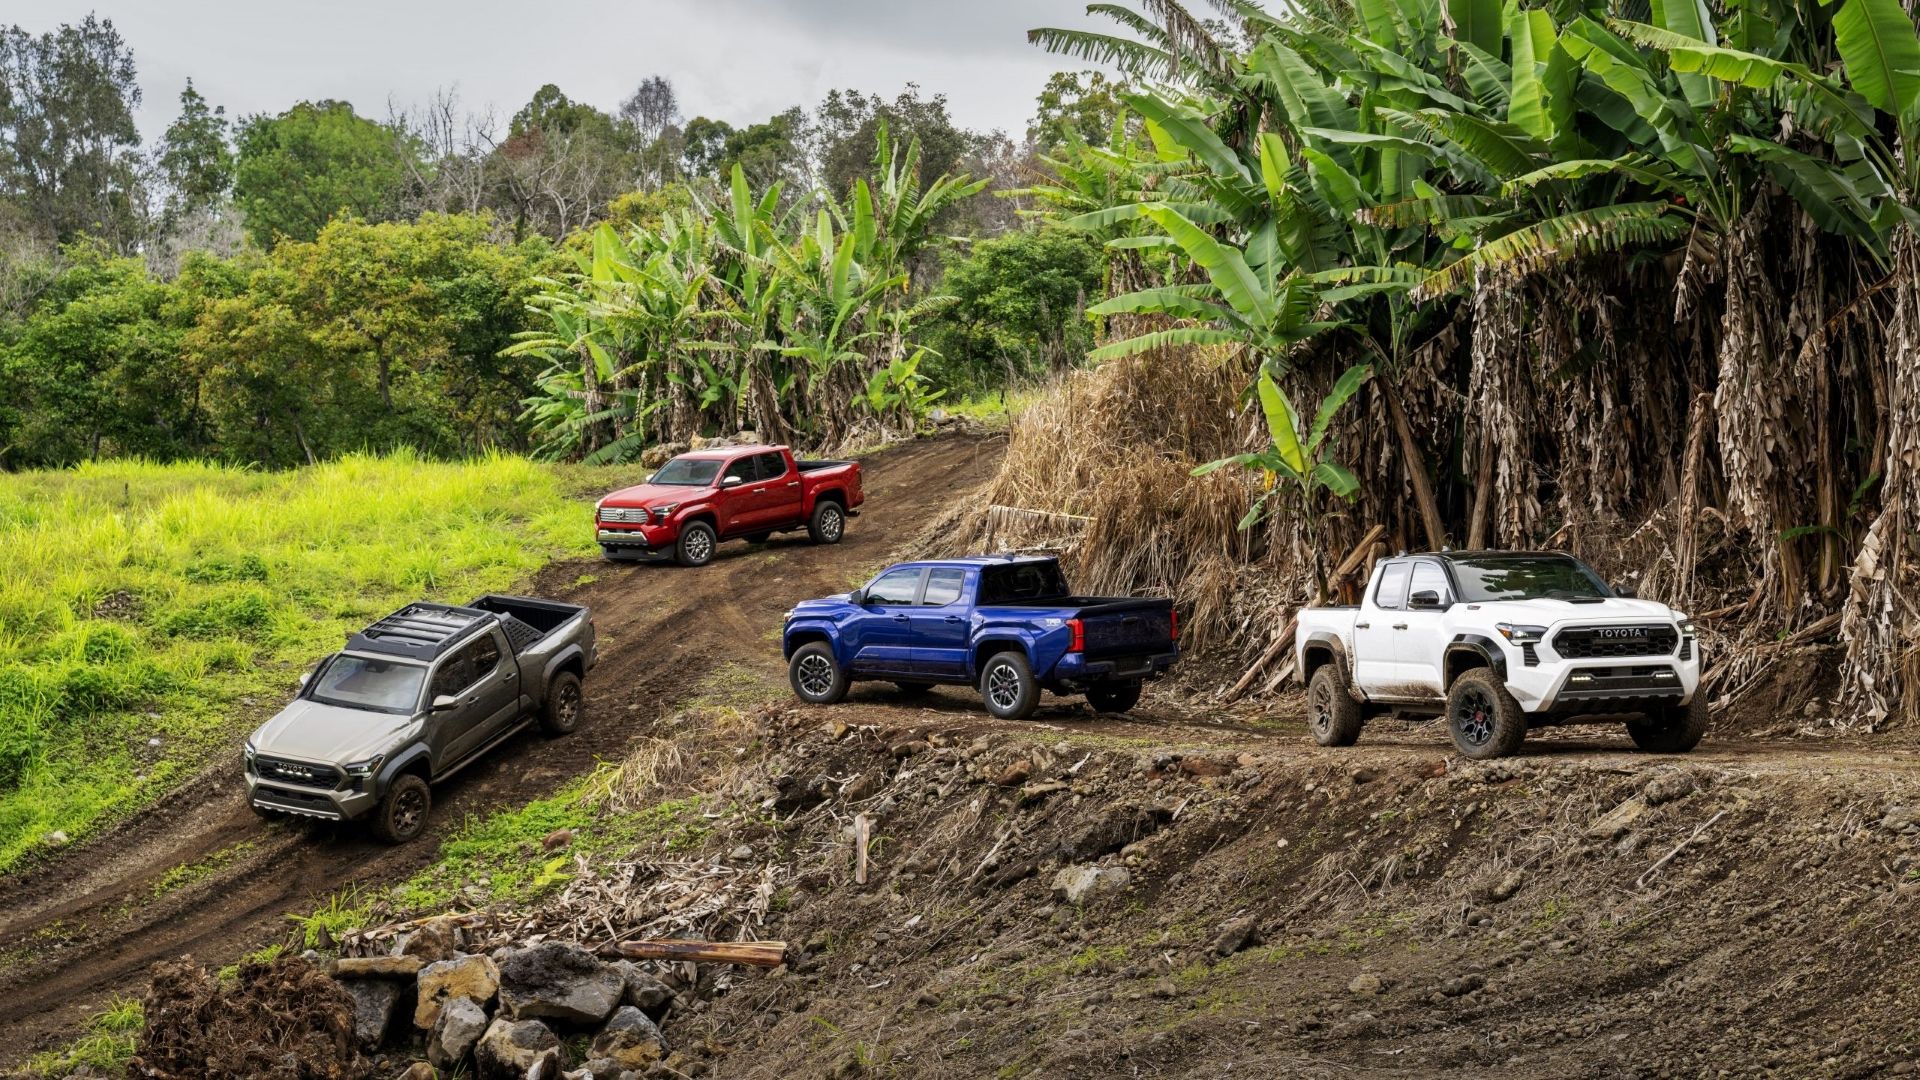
484,681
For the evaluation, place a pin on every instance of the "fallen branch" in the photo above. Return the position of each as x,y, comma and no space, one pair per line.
862,834
766,954
1677,849
1281,642
1284,639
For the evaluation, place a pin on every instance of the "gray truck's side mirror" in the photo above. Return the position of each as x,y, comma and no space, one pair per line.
1425,598
858,598
444,702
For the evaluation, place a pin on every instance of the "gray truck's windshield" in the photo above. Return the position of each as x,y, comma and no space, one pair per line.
1487,578
365,682
688,472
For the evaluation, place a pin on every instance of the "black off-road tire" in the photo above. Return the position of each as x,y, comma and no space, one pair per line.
566,706
816,677
1675,729
1115,697
1333,717
1008,687
696,545
1482,716
402,813
828,523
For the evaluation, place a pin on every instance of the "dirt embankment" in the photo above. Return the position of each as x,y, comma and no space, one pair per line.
87,923
1086,897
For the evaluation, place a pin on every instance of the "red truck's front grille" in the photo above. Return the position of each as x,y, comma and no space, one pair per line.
624,515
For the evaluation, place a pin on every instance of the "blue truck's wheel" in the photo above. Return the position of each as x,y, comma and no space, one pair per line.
1007,686
816,676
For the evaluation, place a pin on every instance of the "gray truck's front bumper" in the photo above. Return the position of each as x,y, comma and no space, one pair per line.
281,798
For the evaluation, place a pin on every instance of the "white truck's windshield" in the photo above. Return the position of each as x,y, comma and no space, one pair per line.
1485,578
365,682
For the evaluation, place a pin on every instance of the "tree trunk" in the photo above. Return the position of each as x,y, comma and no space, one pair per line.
1416,466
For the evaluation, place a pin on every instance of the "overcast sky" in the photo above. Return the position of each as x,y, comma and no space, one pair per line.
736,60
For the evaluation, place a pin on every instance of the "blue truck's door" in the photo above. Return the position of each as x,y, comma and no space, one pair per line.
940,625
882,634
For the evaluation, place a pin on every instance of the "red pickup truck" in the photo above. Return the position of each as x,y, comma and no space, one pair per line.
697,500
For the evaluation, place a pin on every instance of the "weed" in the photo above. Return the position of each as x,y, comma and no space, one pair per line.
111,1038
187,873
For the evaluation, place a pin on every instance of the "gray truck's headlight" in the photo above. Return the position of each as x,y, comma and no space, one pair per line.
250,753
365,768
1521,635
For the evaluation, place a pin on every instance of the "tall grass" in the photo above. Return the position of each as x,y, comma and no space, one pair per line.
149,611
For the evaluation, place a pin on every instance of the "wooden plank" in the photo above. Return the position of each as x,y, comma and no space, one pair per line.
862,834
764,954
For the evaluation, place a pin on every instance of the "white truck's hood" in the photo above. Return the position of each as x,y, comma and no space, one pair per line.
1543,612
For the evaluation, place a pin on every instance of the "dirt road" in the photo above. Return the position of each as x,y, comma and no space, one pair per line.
88,924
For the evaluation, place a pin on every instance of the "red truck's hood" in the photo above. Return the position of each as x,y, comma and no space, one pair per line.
651,495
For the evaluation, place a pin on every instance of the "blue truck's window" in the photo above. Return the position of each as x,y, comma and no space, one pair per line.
1392,593
895,587
943,587
1022,583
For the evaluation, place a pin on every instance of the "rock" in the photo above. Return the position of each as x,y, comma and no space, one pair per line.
1506,886
1901,819
558,981
644,992
630,1040
1206,766
1238,934
1667,787
460,1026
434,940
1617,820
547,1066
556,840
864,786
376,1004
475,978
909,747
1078,884
57,838
511,1047
1015,774
376,967
741,853
1033,793
419,1070
1116,827
1365,984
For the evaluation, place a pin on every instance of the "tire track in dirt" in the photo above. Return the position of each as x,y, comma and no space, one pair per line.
87,923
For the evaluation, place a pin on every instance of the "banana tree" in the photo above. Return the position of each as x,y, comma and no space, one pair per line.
747,229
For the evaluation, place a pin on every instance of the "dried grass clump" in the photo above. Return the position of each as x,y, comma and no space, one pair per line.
1100,472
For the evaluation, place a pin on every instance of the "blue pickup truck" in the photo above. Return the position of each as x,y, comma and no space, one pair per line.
1004,625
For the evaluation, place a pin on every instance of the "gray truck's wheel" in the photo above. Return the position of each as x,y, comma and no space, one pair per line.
402,814
1675,729
816,676
565,706
1485,720
1008,687
696,544
1114,697
828,523
1332,715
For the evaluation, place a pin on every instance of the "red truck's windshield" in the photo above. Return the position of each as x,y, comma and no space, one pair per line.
688,472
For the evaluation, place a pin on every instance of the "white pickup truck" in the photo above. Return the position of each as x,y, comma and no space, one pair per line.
1498,642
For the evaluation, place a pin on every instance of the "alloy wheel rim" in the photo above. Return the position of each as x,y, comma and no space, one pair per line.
1003,686
569,705
830,525
1473,717
407,810
816,675
699,547
1321,713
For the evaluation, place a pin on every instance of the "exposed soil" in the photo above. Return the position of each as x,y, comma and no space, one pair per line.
87,923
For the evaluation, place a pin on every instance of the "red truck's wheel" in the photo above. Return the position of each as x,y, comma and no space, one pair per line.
696,544
816,676
828,524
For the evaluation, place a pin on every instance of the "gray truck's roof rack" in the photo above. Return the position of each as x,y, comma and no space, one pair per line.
420,631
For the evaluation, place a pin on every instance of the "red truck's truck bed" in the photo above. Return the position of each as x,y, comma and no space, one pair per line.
699,499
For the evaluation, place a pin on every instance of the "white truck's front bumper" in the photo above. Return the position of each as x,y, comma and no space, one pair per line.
1543,681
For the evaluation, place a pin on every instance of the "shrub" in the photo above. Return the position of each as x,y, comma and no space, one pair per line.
234,614
215,569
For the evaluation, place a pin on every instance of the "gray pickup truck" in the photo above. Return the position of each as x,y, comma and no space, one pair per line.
413,699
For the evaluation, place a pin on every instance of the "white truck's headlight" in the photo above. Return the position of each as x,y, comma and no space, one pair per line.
1521,635
1686,626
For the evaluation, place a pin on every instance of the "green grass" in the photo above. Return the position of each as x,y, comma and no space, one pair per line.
109,1043
143,602
995,409
188,873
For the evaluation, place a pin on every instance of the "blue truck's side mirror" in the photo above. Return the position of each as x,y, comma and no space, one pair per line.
858,598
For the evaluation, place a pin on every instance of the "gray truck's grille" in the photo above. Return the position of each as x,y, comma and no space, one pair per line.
624,515
297,772
1588,642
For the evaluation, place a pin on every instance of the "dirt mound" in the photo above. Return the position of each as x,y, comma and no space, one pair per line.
279,1021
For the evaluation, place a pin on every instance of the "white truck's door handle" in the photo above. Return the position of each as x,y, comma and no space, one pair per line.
1363,626
1399,626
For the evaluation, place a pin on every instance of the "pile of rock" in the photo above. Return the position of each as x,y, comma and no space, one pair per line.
501,1015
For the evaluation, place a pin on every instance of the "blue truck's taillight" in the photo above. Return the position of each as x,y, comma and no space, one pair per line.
1077,641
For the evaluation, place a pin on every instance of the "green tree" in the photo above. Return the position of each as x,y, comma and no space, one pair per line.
1075,105
294,172
195,161
68,144
1019,307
